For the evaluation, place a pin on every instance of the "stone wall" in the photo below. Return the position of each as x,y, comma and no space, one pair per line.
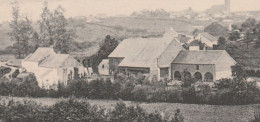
192,68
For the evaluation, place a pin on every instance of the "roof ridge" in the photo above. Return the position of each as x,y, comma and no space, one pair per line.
203,50
223,52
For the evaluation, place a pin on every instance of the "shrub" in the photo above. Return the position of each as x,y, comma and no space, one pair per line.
223,83
4,70
25,111
189,94
73,110
15,73
20,88
122,113
256,118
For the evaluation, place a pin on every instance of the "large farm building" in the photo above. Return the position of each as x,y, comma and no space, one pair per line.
166,58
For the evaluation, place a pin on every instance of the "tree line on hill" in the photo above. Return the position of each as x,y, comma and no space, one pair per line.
54,30
251,30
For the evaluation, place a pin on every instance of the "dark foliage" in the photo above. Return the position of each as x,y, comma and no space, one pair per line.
256,118
72,110
229,91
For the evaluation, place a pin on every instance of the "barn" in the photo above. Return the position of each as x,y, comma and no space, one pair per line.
151,56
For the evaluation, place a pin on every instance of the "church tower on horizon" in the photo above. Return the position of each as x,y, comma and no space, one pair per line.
228,5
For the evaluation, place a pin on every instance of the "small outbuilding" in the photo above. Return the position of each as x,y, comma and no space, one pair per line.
103,67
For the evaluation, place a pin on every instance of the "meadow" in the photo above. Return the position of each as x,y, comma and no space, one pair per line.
191,112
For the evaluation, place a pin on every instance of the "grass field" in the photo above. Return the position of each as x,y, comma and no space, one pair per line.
192,112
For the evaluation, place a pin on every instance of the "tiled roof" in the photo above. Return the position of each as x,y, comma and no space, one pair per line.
40,54
209,37
141,52
198,57
60,60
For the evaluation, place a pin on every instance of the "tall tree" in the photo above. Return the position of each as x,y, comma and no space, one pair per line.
221,41
234,36
63,35
105,48
14,26
249,24
21,32
46,26
249,37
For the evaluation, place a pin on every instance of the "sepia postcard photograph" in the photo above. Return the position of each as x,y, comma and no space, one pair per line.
129,61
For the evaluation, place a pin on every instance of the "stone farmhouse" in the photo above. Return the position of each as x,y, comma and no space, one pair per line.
205,65
165,57
50,68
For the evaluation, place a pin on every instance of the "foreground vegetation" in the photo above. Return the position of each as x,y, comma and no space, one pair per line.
191,112
234,91
73,110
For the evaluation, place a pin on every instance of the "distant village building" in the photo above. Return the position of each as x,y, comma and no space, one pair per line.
208,39
205,65
51,68
184,39
220,10
217,29
103,67
196,45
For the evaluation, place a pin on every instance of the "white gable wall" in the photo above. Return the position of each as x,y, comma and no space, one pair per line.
223,66
194,48
208,42
103,67
30,66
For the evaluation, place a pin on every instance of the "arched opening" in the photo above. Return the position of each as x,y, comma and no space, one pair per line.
186,74
177,75
208,77
198,76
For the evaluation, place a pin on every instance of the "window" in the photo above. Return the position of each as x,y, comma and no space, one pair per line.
197,67
103,66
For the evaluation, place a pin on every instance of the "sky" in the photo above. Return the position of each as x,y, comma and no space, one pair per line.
33,8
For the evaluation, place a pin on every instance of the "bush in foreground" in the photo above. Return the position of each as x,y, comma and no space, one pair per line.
73,110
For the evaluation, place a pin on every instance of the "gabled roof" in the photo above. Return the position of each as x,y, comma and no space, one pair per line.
209,37
170,53
143,52
216,29
195,43
199,56
185,39
60,60
171,33
40,54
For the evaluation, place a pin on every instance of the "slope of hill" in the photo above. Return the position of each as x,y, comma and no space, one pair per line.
154,25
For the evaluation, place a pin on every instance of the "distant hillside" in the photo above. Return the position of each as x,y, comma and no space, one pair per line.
154,25
149,13
117,27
